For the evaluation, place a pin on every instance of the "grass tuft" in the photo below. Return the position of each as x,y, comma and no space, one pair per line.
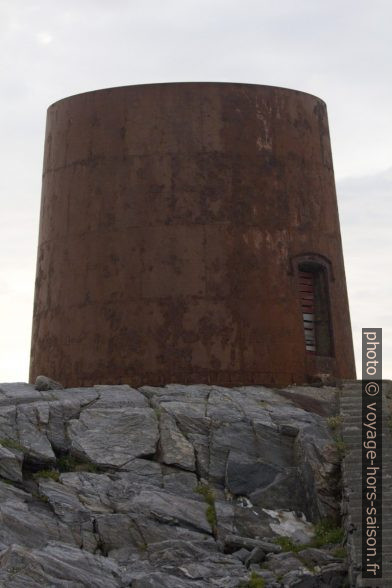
288,544
209,497
340,445
255,581
326,532
48,474
68,463
334,422
11,444
340,552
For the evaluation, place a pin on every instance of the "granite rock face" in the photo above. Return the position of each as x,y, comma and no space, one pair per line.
180,486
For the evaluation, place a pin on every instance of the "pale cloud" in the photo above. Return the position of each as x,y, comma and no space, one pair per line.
365,216
44,38
340,51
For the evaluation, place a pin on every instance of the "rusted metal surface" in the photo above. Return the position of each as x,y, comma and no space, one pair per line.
170,218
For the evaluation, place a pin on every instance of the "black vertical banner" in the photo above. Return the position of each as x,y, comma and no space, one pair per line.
372,453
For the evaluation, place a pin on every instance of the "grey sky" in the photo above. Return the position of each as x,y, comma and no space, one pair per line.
340,51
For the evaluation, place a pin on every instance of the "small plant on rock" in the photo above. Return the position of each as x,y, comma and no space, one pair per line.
255,581
11,444
340,445
340,552
158,411
208,495
288,544
40,497
327,532
8,482
69,463
48,474
334,422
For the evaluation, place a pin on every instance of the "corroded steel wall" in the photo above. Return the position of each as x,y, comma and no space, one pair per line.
171,218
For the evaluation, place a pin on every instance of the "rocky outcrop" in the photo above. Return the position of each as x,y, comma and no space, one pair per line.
180,486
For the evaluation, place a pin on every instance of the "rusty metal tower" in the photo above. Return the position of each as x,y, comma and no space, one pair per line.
189,233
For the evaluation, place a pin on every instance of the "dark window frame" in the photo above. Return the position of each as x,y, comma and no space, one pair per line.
319,267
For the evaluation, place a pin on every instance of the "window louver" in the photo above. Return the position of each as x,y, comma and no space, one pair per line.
307,293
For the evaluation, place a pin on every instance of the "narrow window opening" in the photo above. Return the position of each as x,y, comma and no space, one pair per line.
314,300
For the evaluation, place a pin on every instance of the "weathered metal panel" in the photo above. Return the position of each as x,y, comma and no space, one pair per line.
169,216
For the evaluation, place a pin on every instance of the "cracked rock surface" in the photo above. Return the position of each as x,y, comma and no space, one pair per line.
177,487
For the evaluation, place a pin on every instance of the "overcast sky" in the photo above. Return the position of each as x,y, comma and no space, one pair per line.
338,50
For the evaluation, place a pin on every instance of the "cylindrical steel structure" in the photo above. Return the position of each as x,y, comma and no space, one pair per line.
177,222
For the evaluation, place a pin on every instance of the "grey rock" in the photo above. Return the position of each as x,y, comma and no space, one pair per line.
175,449
18,393
319,466
45,383
119,396
245,403
119,536
163,507
236,541
201,446
272,447
113,437
11,461
248,441
317,557
172,552
60,412
179,482
300,579
256,556
8,430
190,416
242,554
58,565
84,396
226,437
215,569
31,525
260,453
283,563
289,430
91,489
224,405
155,529
70,511
9,492
333,575
122,491
188,404
244,476
269,578
323,403
285,491
143,470
31,422
291,524
252,521
225,518
160,580
64,501
192,393
134,568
